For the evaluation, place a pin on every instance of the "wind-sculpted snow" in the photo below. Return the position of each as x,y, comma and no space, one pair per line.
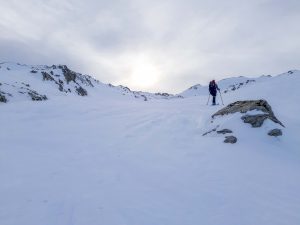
106,159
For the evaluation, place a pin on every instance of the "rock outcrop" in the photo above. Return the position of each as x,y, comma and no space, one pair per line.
256,113
47,76
236,86
68,74
58,80
36,96
250,105
81,91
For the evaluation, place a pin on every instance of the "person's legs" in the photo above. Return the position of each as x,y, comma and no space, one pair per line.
214,100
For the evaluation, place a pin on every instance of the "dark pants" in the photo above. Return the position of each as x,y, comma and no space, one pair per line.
214,100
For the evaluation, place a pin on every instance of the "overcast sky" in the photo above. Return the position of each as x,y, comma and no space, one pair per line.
154,45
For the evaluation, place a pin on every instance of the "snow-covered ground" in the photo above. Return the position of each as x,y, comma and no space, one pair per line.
112,160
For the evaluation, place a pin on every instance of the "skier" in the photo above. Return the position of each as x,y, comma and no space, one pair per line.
213,87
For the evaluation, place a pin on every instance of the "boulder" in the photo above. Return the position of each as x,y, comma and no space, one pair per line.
249,105
230,139
275,132
81,91
245,106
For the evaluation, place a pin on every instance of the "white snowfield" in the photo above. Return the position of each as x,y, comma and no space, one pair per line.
107,159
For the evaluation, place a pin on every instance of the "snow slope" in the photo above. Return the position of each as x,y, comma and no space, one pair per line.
20,82
110,160
226,85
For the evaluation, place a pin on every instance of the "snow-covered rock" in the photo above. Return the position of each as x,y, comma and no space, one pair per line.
261,107
254,112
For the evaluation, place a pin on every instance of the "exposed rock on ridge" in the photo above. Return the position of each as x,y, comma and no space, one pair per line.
246,106
256,112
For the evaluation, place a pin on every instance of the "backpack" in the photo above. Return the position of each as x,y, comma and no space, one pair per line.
212,86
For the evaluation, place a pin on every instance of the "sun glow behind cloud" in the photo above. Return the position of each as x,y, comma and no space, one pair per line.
161,45
142,73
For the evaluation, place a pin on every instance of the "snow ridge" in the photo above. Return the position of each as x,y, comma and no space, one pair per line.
38,83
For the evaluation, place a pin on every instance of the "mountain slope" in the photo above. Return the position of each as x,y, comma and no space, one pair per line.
23,82
101,160
231,84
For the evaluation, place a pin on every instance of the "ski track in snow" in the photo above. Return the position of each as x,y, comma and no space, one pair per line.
114,162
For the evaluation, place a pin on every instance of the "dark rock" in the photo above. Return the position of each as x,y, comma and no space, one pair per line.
68,74
275,132
255,120
89,82
245,106
3,98
60,87
36,96
27,85
47,76
248,81
163,94
145,98
33,71
224,131
230,139
127,89
81,91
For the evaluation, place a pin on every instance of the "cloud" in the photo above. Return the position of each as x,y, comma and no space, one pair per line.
185,42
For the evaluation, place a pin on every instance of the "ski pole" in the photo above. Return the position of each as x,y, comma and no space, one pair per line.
208,99
221,97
